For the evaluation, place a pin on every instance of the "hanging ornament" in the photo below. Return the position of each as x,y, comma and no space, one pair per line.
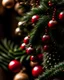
37,70
61,15
21,7
23,45
21,23
33,63
21,76
35,18
29,50
8,3
18,31
14,66
26,39
52,23
45,47
45,38
18,9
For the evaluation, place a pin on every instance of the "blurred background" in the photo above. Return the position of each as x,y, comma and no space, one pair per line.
8,23
9,10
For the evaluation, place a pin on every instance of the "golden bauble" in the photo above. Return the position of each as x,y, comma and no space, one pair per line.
8,3
21,23
21,76
17,5
18,31
18,8
32,64
20,11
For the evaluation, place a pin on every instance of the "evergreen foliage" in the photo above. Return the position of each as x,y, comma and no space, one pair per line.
53,59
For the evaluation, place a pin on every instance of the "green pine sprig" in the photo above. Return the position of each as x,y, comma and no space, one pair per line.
39,10
53,71
39,29
9,51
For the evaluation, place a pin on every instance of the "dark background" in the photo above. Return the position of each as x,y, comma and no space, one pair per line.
8,24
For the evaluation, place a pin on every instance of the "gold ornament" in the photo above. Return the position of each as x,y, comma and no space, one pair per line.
18,9
8,3
21,76
21,23
32,64
17,5
18,31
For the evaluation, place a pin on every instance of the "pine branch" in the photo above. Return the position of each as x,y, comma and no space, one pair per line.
6,50
3,66
4,43
41,9
4,55
53,71
28,57
19,53
3,60
38,30
23,57
6,46
9,52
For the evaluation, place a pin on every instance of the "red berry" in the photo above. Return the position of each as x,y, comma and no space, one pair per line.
14,66
50,3
45,38
45,47
40,56
29,50
26,40
61,16
37,70
33,58
52,23
35,18
23,45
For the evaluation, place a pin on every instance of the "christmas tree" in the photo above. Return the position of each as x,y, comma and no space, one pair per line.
40,56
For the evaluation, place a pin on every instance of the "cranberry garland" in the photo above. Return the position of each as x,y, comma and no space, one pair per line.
53,23
23,45
54,55
35,18
26,40
48,47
